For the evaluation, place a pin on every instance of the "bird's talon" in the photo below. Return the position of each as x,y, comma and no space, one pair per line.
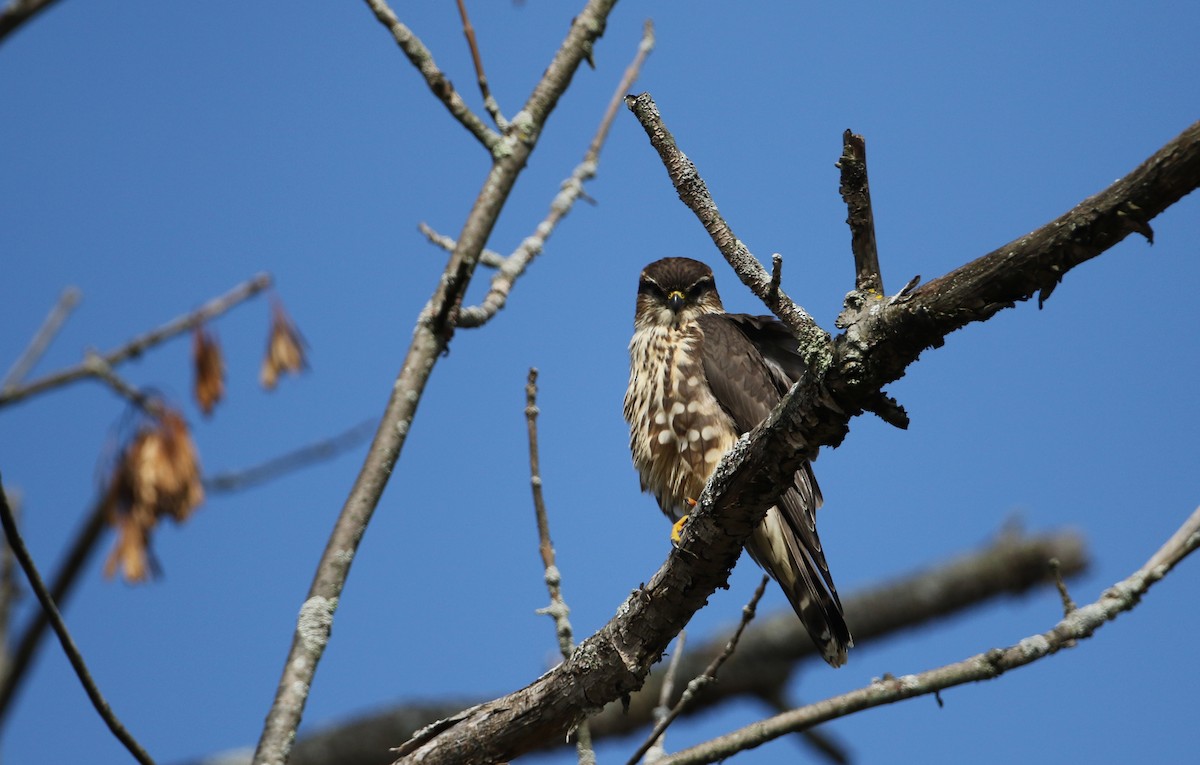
677,528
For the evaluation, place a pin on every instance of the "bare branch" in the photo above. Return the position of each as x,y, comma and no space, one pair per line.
297,459
17,544
767,655
655,744
41,340
879,344
710,672
514,265
17,12
100,369
441,86
431,337
557,609
21,660
489,258
856,192
814,341
489,103
10,591
138,345
1080,624
1063,593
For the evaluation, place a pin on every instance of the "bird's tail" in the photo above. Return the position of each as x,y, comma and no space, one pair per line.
790,551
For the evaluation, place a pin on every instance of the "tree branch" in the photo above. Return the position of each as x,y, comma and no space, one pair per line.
21,660
489,258
441,86
41,340
709,675
138,345
856,192
296,459
489,103
1080,624
814,341
17,545
557,610
17,12
767,655
431,337
515,264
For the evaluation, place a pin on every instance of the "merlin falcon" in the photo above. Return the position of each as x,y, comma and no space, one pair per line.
698,379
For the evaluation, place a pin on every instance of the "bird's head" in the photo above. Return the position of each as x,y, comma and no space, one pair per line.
673,291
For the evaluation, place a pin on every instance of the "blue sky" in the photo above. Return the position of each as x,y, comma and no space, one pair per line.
156,154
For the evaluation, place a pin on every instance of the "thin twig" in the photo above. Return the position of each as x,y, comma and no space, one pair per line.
515,264
441,86
815,344
489,258
139,345
710,672
654,746
1063,593
824,744
64,637
1079,625
326,448
489,103
42,338
21,660
17,12
557,609
10,592
856,192
776,275
100,369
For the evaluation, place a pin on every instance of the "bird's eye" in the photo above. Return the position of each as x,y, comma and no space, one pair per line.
700,287
647,287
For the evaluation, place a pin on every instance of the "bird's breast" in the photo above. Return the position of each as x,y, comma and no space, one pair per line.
678,431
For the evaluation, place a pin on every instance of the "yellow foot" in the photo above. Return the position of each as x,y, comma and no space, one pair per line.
677,530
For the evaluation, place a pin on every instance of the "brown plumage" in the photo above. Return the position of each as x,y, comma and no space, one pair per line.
698,379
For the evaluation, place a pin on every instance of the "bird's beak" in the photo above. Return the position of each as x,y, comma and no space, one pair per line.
675,299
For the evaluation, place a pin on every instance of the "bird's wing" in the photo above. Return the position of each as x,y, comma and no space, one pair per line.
775,342
749,362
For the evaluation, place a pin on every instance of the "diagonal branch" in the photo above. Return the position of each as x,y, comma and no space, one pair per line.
814,341
431,338
17,12
489,102
441,86
17,545
1080,624
700,681
41,340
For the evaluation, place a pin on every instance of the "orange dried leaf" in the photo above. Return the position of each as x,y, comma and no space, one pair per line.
285,348
158,476
209,366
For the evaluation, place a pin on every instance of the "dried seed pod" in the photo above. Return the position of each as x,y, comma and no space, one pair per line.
157,476
209,367
285,348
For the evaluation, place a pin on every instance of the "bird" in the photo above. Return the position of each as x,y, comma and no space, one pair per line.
698,379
